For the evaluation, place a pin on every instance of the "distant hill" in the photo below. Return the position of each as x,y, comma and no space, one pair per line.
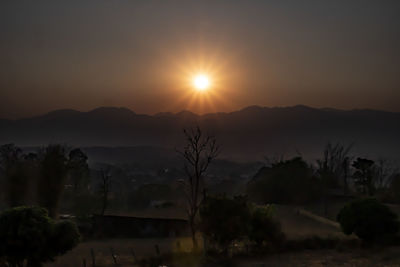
250,133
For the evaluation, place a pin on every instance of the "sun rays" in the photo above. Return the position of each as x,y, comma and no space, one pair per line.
201,84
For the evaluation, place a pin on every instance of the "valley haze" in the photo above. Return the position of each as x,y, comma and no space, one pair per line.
247,134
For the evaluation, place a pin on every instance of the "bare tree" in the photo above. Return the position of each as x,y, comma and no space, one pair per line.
384,172
199,151
12,165
105,185
364,175
79,173
53,174
334,166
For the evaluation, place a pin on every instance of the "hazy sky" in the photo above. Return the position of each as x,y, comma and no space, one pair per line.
140,54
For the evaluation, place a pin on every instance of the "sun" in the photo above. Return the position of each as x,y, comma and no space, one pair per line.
201,82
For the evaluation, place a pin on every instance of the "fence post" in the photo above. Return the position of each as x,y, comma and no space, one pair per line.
93,257
133,255
114,256
157,250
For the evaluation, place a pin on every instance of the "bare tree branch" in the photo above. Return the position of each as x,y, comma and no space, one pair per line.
198,153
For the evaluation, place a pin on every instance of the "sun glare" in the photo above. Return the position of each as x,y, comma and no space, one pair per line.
201,82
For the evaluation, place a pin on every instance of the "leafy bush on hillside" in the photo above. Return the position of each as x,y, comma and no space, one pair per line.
224,220
369,219
285,182
27,233
264,228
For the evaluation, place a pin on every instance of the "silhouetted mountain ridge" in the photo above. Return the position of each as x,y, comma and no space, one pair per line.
249,133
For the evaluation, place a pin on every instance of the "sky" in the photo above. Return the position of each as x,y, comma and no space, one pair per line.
143,54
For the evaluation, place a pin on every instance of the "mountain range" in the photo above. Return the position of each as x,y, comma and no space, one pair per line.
247,134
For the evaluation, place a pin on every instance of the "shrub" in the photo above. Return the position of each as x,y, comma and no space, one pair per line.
285,182
394,188
27,233
264,229
369,219
224,220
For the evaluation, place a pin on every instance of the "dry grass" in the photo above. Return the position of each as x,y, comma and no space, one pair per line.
142,248
316,258
295,226
172,212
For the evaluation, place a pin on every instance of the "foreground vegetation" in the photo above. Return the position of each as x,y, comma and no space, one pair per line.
225,229
28,234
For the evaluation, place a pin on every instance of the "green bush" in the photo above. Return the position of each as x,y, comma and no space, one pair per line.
264,229
369,219
27,233
224,220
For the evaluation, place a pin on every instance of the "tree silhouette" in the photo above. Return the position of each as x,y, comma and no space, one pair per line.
12,163
384,172
48,169
79,170
335,164
199,151
54,170
333,169
286,182
105,186
363,176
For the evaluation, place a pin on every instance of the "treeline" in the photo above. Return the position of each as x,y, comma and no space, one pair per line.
33,183
39,178
294,181
58,178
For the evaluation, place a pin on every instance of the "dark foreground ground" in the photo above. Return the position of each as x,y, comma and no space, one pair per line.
316,258
297,226
331,257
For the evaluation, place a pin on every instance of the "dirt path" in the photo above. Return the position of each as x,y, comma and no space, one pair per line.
296,225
